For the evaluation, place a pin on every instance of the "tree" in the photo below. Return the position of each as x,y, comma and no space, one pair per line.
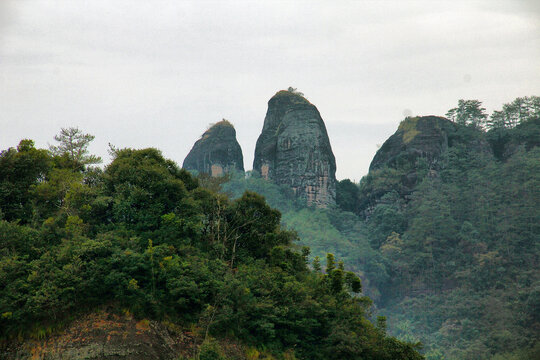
20,169
347,195
317,264
253,228
353,281
145,186
330,263
74,145
497,121
295,91
468,112
517,112
336,281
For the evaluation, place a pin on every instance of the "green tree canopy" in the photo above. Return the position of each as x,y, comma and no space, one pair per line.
468,112
73,144
520,110
20,169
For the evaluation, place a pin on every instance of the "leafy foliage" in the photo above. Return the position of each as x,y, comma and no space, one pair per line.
143,235
451,260
468,112
295,91
461,249
347,194
519,111
73,144
20,169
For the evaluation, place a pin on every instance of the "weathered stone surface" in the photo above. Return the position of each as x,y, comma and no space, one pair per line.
294,150
425,137
217,152
106,336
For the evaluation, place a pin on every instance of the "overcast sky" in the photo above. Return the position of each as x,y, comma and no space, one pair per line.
156,73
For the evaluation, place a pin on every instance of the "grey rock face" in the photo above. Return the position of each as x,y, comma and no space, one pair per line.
425,136
294,150
217,152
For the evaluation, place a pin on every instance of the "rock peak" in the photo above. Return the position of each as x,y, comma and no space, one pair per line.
288,96
217,152
294,150
417,149
420,136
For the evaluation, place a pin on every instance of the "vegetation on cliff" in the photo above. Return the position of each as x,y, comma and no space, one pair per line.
458,234
443,230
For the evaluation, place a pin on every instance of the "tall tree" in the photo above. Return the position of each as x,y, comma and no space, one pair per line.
73,144
521,110
347,194
468,112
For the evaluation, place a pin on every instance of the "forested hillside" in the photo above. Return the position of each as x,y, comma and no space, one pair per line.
461,244
444,230
463,254
143,237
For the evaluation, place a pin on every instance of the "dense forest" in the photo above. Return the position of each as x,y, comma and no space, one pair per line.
146,237
452,257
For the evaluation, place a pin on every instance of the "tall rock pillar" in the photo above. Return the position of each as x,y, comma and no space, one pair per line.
294,150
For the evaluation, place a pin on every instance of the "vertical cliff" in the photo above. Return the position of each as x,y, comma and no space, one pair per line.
217,152
294,150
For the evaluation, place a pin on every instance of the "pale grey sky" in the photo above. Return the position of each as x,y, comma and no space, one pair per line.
155,73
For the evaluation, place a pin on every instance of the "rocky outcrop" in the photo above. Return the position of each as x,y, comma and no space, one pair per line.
413,152
104,336
425,137
107,335
294,150
217,152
